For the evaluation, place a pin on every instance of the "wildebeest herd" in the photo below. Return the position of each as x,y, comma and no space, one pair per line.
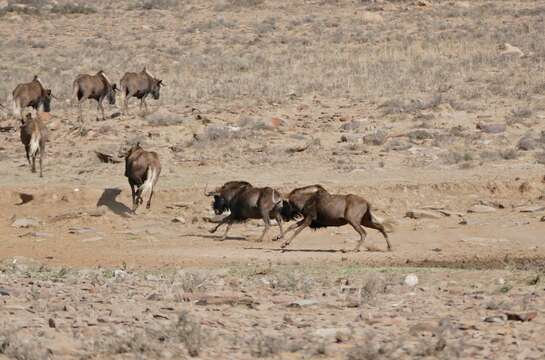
310,206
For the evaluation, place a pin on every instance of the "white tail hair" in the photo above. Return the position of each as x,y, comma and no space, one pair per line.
15,107
35,143
147,186
377,219
40,82
105,77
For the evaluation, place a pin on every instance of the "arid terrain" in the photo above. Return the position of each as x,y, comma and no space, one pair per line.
434,111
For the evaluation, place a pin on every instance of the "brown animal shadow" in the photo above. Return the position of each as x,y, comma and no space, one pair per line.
108,199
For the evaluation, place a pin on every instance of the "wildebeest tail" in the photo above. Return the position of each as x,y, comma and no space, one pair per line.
15,107
151,179
35,143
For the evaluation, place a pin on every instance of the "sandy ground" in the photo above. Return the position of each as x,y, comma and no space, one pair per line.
444,137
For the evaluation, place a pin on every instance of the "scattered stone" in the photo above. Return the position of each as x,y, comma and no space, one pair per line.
81,230
496,319
25,198
120,274
542,219
481,209
411,280
531,209
92,239
352,125
106,158
527,143
338,335
25,223
510,50
378,137
303,303
51,323
522,317
491,128
423,214
179,220
4,292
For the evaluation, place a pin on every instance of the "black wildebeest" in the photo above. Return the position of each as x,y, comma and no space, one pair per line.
323,209
33,137
247,202
32,94
97,87
142,168
139,85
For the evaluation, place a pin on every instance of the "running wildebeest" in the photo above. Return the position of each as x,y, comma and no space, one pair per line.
142,168
247,202
293,208
323,209
139,85
33,137
97,87
32,94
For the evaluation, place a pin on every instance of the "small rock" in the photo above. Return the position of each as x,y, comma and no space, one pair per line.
352,125
338,335
491,128
481,209
25,198
378,137
542,219
92,239
423,214
495,319
51,323
531,209
526,143
510,50
120,274
81,230
179,219
303,303
501,281
4,292
522,317
25,223
411,280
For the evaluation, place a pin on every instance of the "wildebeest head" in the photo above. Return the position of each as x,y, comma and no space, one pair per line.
111,94
219,204
156,85
289,212
132,149
46,102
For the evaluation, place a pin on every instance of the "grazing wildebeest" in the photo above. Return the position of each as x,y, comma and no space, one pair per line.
97,87
32,94
142,168
323,209
139,85
33,137
247,202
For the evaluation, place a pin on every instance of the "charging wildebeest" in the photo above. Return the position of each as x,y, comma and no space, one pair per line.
247,202
139,85
142,168
32,94
97,87
33,137
323,209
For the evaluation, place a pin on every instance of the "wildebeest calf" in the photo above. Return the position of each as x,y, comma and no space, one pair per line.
142,168
247,202
33,137
323,210
32,94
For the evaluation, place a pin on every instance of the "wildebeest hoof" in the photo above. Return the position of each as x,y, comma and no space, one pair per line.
211,231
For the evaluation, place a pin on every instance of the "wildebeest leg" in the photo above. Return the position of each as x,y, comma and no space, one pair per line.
101,108
27,150
41,159
278,218
141,104
267,222
80,110
148,205
223,221
33,167
133,194
301,225
226,231
374,225
359,229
